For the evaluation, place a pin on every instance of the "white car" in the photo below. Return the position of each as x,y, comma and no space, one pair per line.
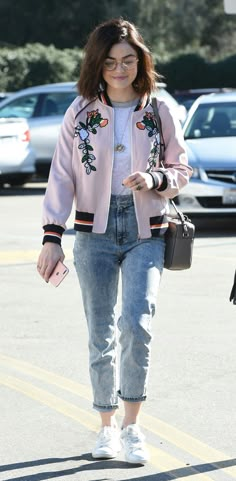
44,107
17,157
210,134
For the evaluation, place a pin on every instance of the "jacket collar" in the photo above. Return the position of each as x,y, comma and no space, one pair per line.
142,103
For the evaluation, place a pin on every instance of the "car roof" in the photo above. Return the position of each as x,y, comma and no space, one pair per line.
217,97
55,87
50,87
60,86
47,88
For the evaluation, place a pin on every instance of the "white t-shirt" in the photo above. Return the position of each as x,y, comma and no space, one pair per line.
122,135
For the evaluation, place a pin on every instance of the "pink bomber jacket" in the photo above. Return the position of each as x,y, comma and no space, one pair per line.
81,169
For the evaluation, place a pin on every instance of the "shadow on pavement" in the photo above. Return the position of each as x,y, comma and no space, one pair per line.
214,226
185,472
29,189
95,465
110,465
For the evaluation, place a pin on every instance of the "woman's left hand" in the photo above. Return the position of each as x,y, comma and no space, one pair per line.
139,181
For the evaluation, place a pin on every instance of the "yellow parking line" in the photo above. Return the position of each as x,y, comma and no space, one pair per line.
49,377
156,426
84,417
159,458
12,257
25,256
31,256
186,442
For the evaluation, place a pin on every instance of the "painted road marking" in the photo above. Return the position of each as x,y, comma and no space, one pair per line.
31,256
176,437
161,460
25,256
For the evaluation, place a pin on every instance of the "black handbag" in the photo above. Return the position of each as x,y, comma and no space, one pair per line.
179,239
179,236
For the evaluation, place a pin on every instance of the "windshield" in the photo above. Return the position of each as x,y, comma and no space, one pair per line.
212,120
44,104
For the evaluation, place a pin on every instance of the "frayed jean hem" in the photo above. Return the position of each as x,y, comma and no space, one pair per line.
132,399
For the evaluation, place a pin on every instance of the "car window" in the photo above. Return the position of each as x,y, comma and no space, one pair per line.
212,120
20,107
56,103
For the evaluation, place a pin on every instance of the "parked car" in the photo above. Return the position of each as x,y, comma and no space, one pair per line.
210,134
188,97
17,157
44,107
178,107
4,95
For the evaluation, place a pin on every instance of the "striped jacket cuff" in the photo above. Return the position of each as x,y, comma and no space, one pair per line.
159,180
53,233
164,184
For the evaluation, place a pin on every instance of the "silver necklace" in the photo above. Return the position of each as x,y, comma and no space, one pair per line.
119,146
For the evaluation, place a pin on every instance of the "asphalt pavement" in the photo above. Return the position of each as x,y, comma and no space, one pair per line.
47,424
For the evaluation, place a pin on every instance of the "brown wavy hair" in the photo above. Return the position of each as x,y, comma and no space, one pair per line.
100,42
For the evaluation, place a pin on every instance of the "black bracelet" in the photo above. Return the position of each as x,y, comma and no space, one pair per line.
155,180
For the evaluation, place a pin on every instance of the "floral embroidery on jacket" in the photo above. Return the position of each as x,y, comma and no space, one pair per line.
83,130
149,123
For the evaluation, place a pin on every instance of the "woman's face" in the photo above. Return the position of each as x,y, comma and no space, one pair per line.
121,66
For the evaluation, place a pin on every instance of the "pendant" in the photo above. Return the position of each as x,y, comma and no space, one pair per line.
119,148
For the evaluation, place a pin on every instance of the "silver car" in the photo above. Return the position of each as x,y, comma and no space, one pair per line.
210,134
17,158
44,107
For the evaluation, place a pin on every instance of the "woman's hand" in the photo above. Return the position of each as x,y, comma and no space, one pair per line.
50,254
139,181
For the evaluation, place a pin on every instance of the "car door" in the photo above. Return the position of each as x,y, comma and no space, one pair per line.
45,125
44,111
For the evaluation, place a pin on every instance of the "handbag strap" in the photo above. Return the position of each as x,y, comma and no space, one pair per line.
180,214
159,125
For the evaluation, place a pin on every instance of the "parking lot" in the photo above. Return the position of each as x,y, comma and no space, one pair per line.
47,424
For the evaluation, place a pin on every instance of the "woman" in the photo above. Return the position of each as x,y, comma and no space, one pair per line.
107,159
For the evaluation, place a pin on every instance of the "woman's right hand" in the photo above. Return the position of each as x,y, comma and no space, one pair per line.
50,254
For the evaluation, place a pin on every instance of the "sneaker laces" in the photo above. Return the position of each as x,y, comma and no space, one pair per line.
106,433
135,438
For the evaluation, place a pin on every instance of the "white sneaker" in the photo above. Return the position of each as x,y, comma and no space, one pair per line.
133,442
108,443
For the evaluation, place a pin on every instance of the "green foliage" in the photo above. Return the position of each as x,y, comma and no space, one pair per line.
225,71
187,25
167,26
185,71
193,41
193,71
13,66
37,64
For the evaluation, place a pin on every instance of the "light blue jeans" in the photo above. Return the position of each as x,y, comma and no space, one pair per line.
99,258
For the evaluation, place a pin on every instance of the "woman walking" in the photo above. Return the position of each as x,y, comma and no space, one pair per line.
107,161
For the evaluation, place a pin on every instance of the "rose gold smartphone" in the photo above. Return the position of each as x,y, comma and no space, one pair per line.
58,274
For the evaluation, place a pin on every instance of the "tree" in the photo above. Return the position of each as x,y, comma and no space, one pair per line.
64,24
168,27
188,25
